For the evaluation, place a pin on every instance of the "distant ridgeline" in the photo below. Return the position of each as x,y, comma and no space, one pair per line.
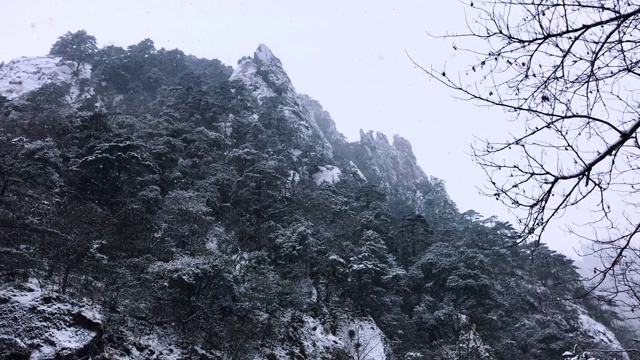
155,205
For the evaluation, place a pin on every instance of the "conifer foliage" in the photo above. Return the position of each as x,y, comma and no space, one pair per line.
182,205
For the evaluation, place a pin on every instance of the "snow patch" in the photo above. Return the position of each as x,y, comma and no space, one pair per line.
328,173
413,355
359,337
92,315
294,177
28,296
246,72
117,99
363,339
70,338
44,352
295,153
338,259
600,333
46,319
25,74
355,170
315,336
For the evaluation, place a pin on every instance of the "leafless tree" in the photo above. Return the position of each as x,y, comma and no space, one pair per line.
362,345
567,73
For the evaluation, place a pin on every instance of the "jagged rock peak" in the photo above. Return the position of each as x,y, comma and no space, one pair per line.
378,139
367,137
263,54
392,164
264,75
382,138
404,146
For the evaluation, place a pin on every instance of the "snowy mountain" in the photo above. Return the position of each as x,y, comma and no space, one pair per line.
154,205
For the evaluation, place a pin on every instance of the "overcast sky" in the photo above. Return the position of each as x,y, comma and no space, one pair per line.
349,55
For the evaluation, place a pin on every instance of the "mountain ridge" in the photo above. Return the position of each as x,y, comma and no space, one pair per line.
207,213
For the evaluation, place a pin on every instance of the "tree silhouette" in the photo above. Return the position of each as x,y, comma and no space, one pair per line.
78,47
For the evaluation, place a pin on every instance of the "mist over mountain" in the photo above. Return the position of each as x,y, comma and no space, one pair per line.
156,205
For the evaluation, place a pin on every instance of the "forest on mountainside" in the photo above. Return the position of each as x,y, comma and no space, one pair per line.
197,209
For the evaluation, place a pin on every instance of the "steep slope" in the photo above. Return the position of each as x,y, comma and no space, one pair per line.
392,167
314,111
266,78
207,213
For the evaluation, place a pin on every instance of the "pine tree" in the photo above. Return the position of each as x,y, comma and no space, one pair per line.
78,47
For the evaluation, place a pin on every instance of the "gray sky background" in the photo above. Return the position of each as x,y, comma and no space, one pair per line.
349,55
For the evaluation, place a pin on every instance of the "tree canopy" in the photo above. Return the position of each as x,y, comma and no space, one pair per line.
78,47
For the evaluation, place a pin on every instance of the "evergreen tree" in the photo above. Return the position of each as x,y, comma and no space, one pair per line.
78,47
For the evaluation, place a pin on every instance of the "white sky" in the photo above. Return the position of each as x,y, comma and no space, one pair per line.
349,55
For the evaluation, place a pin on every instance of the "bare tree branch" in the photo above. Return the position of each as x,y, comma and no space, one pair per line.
569,71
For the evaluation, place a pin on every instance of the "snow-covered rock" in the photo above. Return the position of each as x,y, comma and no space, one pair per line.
353,168
264,75
391,164
600,338
601,334
313,338
327,174
23,75
38,324
351,336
